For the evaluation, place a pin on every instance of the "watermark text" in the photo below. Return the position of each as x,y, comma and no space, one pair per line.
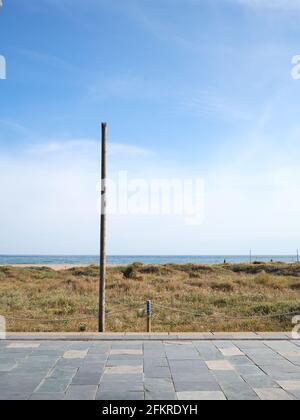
154,197
296,67
2,67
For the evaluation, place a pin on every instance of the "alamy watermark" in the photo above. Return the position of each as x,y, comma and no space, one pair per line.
296,67
2,328
2,59
2,67
154,197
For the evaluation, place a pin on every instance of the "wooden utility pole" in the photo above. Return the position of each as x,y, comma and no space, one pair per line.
103,232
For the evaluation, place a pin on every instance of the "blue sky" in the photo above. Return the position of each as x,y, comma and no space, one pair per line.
193,88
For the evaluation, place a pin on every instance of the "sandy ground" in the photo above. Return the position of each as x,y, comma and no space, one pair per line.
56,267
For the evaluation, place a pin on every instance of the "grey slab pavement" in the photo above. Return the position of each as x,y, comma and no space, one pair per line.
179,367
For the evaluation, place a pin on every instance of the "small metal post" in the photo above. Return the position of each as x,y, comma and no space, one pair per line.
149,313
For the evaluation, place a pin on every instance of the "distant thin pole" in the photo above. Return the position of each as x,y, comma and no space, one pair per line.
297,255
250,256
103,232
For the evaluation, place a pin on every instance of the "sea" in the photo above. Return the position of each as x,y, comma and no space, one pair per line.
145,259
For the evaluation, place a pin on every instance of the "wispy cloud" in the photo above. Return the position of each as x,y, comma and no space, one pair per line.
127,86
55,146
127,149
74,11
15,127
289,5
80,145
48,60
209,103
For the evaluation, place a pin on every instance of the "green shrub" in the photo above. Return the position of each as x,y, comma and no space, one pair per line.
82,327
131,271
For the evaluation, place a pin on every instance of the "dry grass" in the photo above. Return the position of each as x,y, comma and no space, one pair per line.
229,290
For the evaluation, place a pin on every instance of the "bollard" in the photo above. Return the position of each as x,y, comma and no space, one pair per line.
149,312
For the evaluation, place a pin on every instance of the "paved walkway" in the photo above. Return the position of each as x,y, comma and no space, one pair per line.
239,369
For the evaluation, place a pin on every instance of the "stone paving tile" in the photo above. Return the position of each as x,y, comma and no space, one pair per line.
92,367
182,355
117,370
260,381
249,345
14,397
122,396
188,368
155,363
81,392
69,363
219,365
290,354
273,394
135,352
7,367
75,354
248,370
197,386
96,358
157,372
58,396
223,377
80,345
130,347
123,362
267,361
53,385
19,384
201,396
160,396
23,345
121,386
62,373
290,385
240,361
295,394
157,385
127,357
192,377
154,353
135,377
238,391
87,378
281,345
283,376
95,351
208,351
283,368
232,351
